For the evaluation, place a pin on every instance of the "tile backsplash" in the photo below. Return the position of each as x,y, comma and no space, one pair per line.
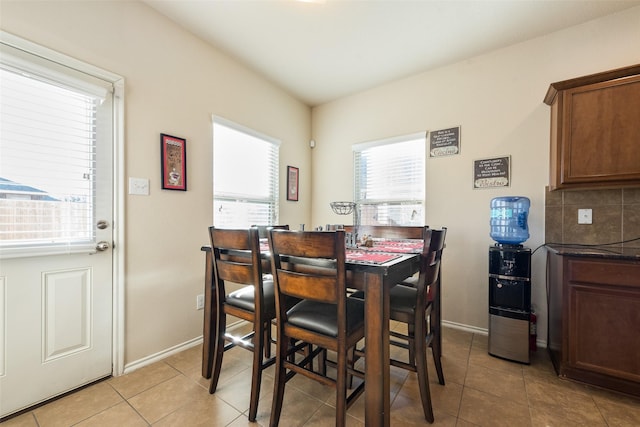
615,216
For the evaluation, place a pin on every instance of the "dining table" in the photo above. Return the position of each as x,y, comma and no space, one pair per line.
375,270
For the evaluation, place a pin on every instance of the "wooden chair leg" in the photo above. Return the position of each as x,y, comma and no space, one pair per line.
411,332
436,344
267,340
423,374
437,360
322,362
341,389
351,362
221,325
280,380
256,375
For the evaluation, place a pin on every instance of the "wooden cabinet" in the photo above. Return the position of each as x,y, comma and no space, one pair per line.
594,320
595,130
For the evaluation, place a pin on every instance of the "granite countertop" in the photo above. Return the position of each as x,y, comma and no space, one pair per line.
604,251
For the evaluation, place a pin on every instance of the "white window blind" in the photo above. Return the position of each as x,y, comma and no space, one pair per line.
245,176
49,119
389,180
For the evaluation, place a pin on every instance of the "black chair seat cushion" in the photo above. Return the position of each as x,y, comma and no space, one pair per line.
411,281
244,298
401,298
322,318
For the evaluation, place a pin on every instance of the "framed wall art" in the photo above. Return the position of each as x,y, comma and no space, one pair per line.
174,162
292,183
492,173
444,142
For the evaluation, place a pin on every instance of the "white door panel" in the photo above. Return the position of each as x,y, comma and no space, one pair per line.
57,337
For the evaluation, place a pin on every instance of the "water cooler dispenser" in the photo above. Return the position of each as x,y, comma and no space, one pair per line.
509,280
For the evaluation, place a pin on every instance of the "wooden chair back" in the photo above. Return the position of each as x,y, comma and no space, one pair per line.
389,231
263,230
236,258
236,255
309,265
429,276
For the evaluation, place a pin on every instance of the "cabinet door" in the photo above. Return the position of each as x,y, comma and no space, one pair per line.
603,335
601,133
603,318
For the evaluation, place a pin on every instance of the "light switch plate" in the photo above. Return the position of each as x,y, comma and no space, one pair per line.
585,216
139,186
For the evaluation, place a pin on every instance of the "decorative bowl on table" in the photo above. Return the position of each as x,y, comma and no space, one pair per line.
342,208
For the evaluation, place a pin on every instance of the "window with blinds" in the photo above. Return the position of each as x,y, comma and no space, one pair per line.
48,127
389,180
245,176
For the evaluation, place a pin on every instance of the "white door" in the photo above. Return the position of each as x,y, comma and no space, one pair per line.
56,234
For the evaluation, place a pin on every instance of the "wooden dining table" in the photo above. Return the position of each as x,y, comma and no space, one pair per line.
376,278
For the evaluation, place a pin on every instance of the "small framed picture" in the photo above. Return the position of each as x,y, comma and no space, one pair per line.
174,162
492,173
292,183
444,142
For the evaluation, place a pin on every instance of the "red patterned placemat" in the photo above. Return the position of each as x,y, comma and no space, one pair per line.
402,246
367,257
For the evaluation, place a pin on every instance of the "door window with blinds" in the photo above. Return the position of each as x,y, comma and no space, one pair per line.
52,119
389,180
245,176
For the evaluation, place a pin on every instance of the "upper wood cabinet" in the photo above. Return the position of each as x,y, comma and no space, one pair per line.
595,130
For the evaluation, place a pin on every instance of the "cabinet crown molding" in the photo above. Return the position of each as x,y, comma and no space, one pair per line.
618,73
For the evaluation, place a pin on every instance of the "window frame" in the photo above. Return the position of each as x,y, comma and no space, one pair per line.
59,67
274,199
390,202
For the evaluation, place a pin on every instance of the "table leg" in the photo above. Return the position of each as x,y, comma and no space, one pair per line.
377,377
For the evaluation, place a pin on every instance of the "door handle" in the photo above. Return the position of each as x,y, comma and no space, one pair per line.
102,246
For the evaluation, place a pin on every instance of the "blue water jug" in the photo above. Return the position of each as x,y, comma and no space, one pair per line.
509,219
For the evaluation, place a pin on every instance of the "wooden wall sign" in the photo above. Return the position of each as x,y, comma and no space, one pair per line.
491,173
444,142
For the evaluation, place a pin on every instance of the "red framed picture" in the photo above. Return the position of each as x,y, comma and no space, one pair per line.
292,183
174,162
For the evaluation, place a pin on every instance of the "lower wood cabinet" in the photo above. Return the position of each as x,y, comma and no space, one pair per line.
594,320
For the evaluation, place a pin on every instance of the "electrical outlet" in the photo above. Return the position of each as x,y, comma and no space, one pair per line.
200,302
585,216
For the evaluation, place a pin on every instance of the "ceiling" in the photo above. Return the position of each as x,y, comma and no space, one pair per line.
321,50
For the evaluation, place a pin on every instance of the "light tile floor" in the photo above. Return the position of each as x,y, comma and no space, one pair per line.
480,390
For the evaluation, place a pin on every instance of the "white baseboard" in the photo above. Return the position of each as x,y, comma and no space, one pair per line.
130,367
467,328
542,344
140,363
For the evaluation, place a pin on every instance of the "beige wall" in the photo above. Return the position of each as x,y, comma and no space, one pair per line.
497,100
173,83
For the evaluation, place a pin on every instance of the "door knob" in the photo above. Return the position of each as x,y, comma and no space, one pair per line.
102,246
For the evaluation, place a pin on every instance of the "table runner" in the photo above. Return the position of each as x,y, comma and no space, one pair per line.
409,246
365,257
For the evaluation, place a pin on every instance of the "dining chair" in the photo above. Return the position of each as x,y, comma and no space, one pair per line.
263,230
311,266
263,233
389,231
434,297
237,260
416,303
